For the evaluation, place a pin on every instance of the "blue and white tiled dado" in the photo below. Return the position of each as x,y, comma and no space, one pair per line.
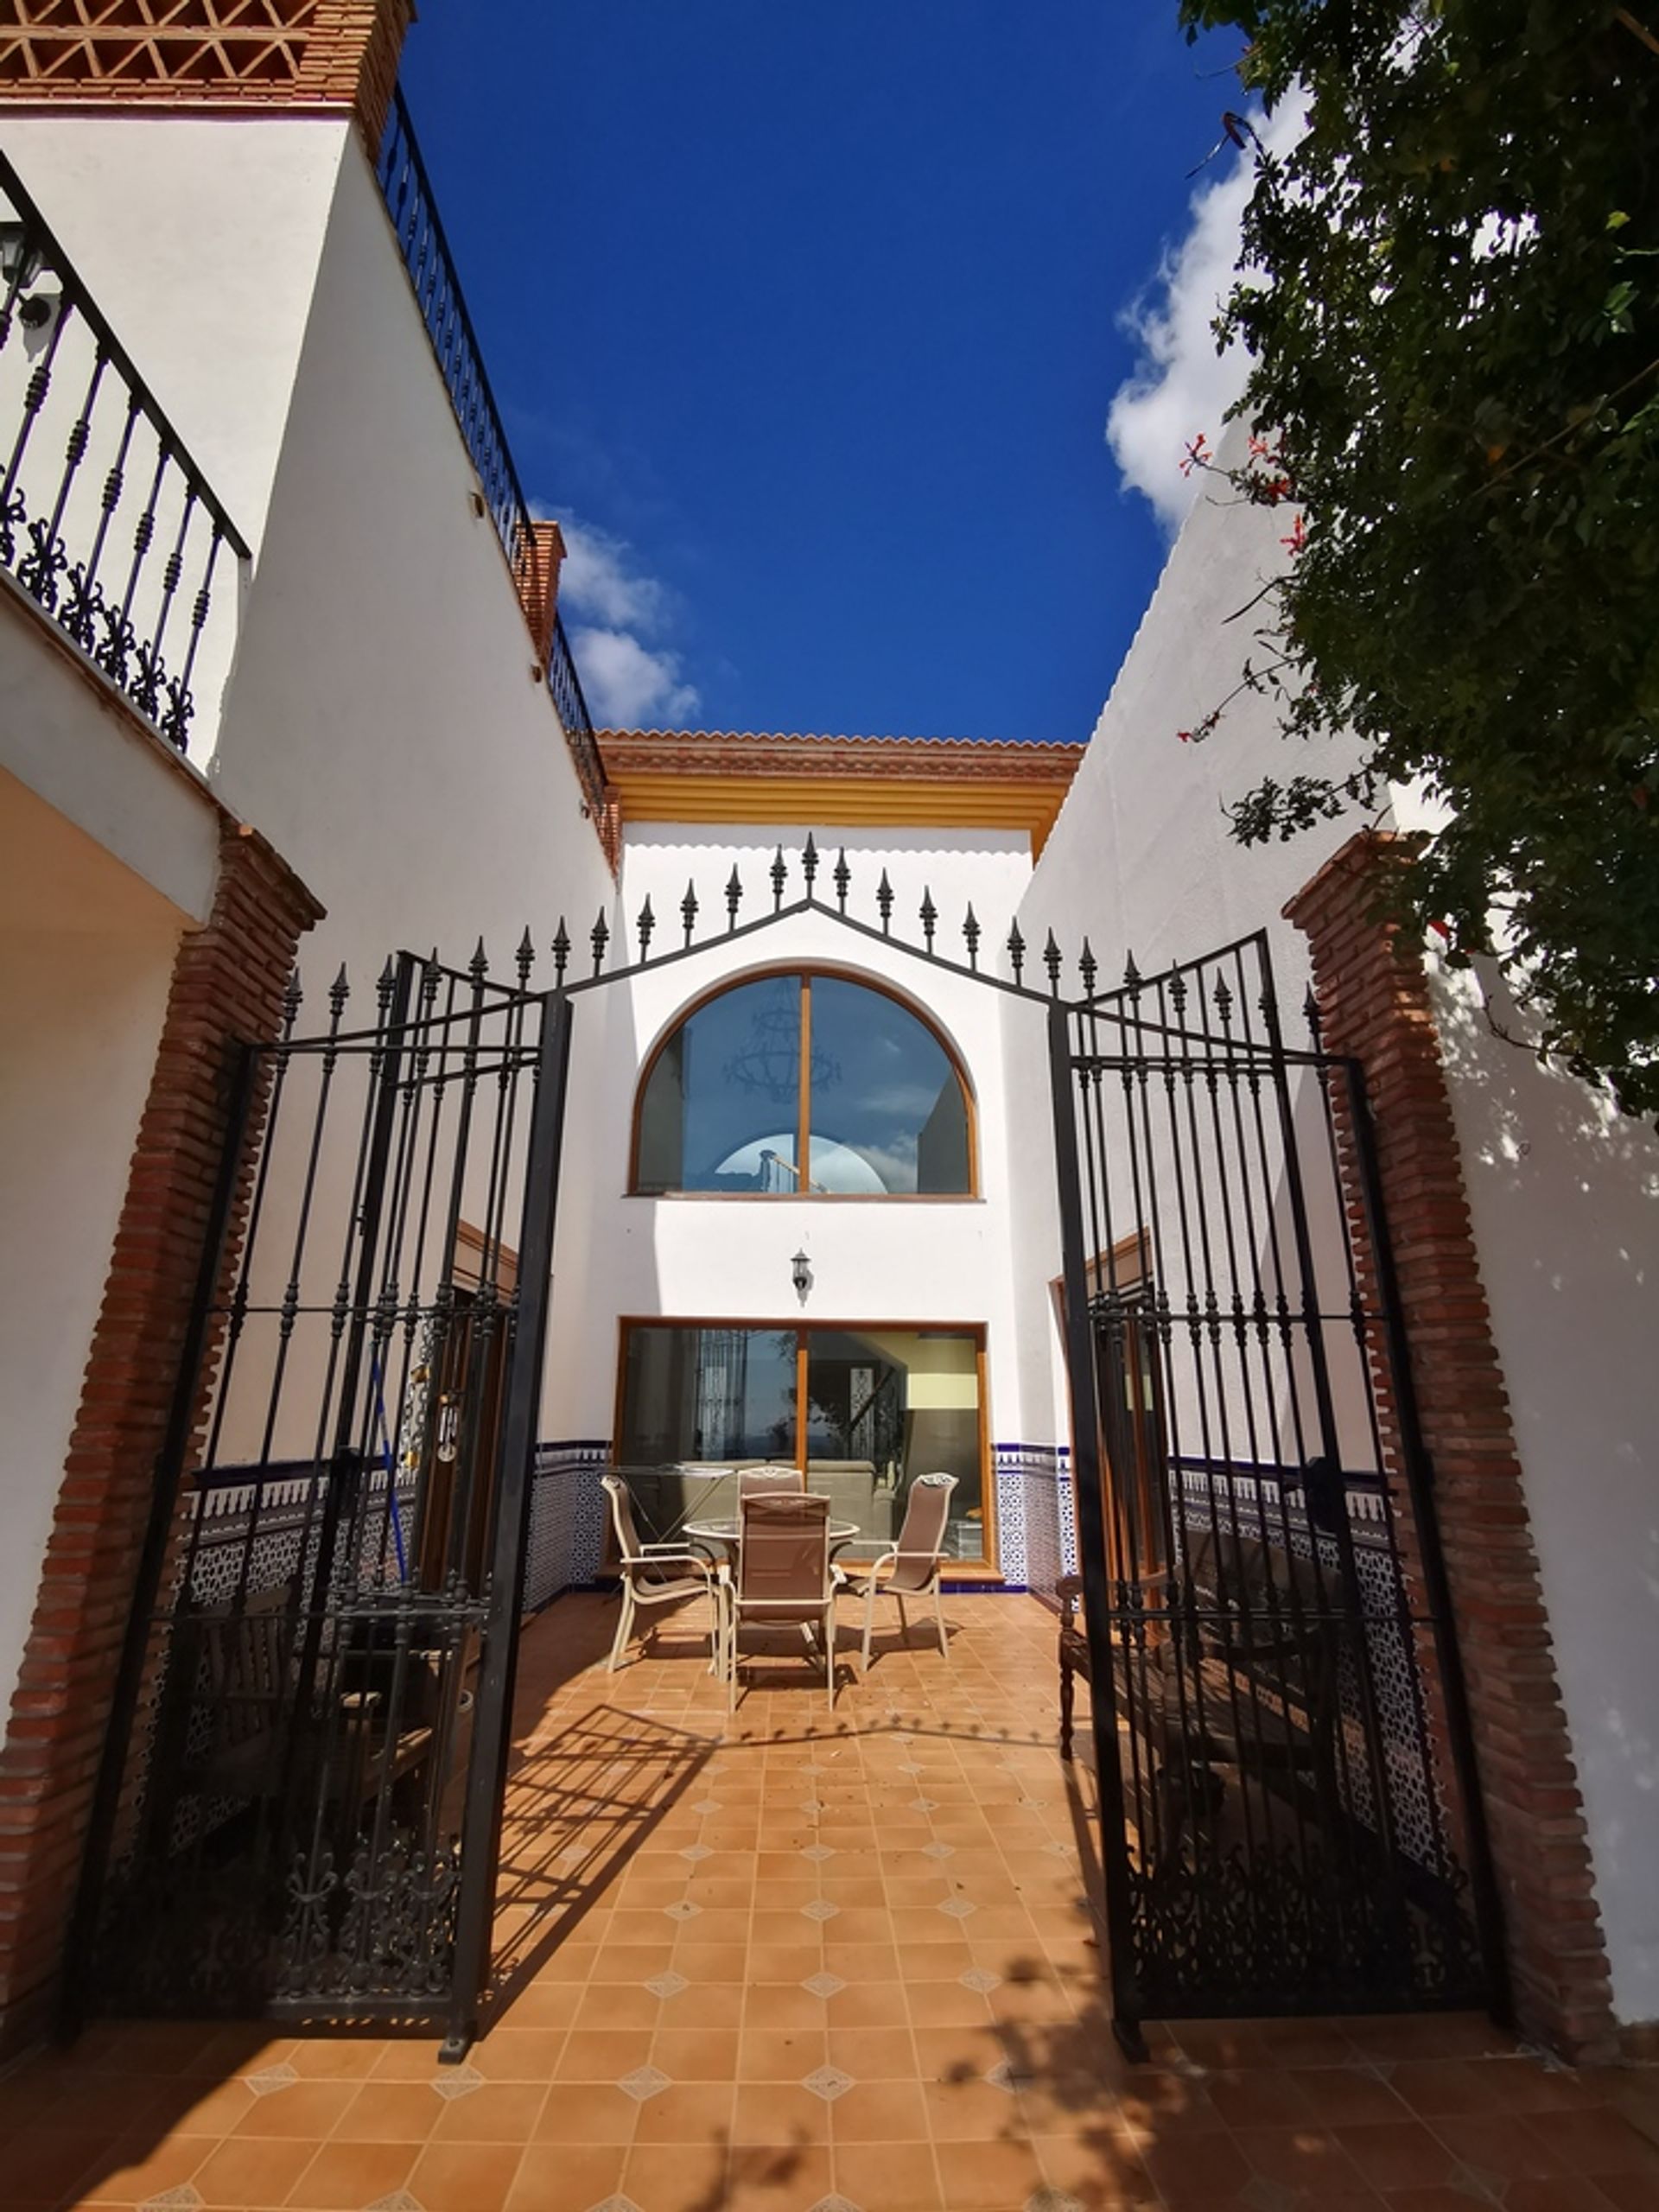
567,1518
1036,1519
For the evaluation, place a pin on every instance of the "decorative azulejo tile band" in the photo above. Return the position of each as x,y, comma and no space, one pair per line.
1035,1522
567,1518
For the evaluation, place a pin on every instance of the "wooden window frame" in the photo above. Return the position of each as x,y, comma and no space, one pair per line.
805,974
990,1564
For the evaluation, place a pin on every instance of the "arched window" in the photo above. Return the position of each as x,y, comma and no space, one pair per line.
803,1084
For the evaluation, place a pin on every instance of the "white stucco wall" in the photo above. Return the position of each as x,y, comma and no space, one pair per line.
1564,1197
1142,860
198,237
382,727
86,952
939,1260
66,738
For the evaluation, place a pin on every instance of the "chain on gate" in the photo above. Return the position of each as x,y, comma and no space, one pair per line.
308,1813
1283,1754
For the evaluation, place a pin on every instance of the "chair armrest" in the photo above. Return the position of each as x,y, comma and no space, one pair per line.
668,1556
867,1567
1068,1590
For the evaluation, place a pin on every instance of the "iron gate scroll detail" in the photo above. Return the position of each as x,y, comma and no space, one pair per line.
304,1815
1288,1819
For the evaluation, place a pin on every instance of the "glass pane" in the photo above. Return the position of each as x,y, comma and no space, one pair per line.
717,1395
884,1406
889,1113
721,1108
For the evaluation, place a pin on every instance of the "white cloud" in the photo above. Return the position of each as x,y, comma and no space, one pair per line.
617,613
629,685
1180,385
601,581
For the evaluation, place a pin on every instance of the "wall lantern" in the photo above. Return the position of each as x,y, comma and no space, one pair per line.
800,1274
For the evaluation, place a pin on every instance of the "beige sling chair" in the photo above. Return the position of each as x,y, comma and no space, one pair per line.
658,1574
783,1576
913,1561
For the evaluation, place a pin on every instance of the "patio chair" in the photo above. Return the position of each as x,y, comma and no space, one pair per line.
913,1561
762,1482
659,1574
782,1577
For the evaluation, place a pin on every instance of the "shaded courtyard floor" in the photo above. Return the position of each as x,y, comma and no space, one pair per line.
790,1962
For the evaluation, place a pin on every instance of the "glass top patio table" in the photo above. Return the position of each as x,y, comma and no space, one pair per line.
730,1531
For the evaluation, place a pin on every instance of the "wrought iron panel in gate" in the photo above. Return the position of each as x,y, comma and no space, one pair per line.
301,1811
1283,1756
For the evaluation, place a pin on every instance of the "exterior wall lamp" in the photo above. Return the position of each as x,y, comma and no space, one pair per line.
800,1274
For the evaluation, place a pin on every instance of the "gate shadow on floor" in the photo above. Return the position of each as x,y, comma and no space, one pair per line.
580,1802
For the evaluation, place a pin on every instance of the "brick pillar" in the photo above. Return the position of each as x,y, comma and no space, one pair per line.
227,988
1372,990
536,575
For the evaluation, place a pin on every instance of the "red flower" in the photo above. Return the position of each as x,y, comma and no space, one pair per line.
1298,536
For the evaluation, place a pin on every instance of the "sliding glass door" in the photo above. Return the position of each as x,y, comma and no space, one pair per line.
862,1409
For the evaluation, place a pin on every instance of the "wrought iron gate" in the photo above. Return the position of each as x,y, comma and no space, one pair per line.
300,1807
1289,1818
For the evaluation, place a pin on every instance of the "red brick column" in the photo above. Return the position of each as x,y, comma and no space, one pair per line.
227,988
1372,990
536,575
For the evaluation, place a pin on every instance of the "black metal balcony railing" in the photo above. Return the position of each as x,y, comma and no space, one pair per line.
105,520
410,202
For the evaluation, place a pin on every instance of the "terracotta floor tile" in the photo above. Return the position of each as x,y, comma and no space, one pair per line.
45,2163
1598,2141
1336,2096
500,2111
1258,2096
345,2177
1498,2144
880,2112
574,2175
1555,2193
697,2054
772,2112
390,2112
618,2005
1396,2154
973,2112
1197,2164
1246,2116
888,2176
465,2176
1101,2171
869,2005
783,2005
946,2004
603,2054
256,2170
585,2114
689,2112
776,2177
333,2058
1433,2087
1630,2192
312,2109
138,2166
874,2054
675,2178
515,2054
988,2177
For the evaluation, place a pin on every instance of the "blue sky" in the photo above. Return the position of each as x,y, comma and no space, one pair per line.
808,321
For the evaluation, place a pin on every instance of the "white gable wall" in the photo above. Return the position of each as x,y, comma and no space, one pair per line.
937,1260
